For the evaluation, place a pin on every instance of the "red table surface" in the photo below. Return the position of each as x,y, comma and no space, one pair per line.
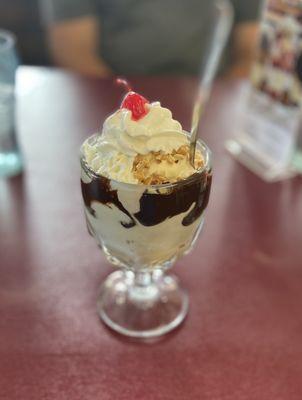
243,336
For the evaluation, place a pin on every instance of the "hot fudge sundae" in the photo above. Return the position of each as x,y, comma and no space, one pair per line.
144,201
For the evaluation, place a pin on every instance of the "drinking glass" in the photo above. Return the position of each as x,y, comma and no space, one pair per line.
10,157
143,230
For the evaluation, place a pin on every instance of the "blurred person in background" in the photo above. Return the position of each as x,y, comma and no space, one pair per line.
105,37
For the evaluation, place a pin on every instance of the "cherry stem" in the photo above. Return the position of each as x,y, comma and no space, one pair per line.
125,83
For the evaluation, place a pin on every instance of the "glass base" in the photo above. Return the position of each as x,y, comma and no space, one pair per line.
142,305
10,164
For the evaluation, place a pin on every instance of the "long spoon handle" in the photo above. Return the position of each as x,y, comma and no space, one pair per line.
219,39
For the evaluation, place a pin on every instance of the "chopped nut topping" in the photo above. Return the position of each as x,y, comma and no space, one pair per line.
142,163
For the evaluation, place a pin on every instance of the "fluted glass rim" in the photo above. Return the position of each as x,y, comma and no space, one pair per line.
207,167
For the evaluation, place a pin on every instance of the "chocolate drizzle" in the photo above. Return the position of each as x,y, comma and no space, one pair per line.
99,190
154,207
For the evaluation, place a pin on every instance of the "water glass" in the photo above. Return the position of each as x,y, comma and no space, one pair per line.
10,157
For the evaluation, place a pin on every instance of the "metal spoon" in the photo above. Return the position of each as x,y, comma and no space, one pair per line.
209,70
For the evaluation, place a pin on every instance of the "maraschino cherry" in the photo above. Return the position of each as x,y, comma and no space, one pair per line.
133,101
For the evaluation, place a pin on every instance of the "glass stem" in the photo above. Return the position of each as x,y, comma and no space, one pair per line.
144,289
142,279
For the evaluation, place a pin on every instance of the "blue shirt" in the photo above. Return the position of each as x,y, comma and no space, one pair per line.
150,36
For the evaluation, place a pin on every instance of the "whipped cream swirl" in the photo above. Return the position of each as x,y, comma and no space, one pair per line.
112,154
156,131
